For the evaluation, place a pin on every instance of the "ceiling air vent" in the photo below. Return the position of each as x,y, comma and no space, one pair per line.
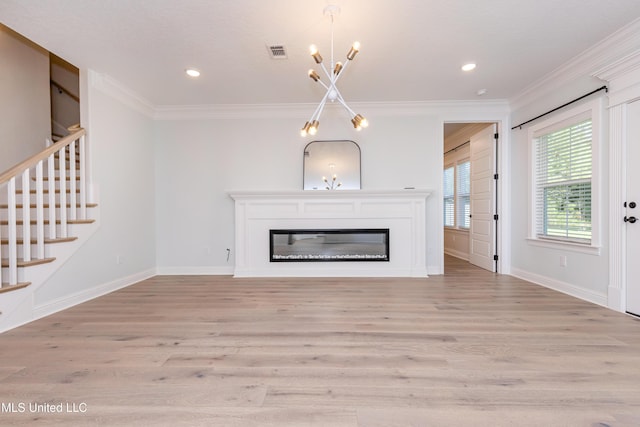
277,51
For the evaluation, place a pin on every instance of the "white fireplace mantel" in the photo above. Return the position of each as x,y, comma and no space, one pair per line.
401,211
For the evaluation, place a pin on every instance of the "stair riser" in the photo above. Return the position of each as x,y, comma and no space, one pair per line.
4,214
4,232
5,275
33,252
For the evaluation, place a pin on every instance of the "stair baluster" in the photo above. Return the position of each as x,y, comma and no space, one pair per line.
21,245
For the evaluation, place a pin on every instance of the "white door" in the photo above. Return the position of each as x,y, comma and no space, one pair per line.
633,199
482,231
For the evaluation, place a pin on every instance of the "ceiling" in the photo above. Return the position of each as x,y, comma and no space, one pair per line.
412,50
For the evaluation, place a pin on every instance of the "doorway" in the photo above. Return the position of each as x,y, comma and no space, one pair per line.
470,193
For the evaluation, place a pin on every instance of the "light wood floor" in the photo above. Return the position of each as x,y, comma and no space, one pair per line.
467,349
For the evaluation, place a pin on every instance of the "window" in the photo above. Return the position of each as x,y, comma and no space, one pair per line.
563,179
457,195
449,194
463,194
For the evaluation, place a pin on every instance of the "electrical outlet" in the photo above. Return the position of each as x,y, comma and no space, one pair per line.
563,260
119,259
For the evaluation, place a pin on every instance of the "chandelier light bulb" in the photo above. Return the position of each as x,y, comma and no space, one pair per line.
355,48
313,127
305,129
337,68
315,76
315,54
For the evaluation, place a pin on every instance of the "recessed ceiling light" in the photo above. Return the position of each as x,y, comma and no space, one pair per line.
192,72
468,67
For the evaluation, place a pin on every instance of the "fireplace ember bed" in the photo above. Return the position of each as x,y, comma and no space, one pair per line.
308,245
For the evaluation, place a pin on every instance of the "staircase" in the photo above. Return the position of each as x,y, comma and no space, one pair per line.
45,216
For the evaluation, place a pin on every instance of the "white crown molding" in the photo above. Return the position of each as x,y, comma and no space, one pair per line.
460,108
117,90
623,77
302,111
610,50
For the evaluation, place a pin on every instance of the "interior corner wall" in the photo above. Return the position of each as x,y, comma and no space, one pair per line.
24,98
585,275
199,160
121,143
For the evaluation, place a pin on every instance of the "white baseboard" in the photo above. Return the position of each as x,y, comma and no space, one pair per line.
89,294
616,300
557,285
195,271
458,254
434,270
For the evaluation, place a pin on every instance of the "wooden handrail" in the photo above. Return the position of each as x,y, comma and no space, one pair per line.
65,90
44,154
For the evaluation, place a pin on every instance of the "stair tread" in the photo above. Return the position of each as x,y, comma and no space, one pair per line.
46,205
46,221
23,263
57,178
46,241
46,191
5,287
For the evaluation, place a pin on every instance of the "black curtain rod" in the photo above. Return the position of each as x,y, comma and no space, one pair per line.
455,148
562,106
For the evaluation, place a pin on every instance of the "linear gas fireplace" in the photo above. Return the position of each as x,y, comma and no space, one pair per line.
371,244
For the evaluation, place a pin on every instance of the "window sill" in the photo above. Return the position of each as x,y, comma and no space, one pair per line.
566,246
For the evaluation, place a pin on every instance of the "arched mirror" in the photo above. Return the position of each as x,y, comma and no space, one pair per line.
331,165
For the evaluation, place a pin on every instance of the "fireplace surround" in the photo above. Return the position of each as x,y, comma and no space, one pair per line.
402,212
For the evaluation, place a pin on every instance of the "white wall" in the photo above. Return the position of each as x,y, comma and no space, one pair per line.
586,275
25,110
198,160
121,142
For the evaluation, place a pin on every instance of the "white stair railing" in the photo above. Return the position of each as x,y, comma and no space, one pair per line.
16,229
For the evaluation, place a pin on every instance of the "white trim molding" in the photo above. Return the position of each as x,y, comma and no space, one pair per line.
560,286
623,77
472,108
117,90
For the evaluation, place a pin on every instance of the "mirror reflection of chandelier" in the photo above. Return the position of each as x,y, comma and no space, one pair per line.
332,94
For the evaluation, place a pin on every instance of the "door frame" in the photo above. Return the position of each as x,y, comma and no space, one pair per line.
623,78
503,240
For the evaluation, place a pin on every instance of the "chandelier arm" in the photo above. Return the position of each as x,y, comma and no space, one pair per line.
320,108
326,72
324,85
344,104
318,111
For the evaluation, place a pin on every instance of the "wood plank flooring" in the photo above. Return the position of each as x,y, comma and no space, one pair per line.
470,348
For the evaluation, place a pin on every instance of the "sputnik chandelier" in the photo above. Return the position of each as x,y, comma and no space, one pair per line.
332,94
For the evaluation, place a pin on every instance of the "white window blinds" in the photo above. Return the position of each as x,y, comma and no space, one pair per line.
463,194
563,183
448,197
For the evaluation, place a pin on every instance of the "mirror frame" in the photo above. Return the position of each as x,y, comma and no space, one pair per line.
305,155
